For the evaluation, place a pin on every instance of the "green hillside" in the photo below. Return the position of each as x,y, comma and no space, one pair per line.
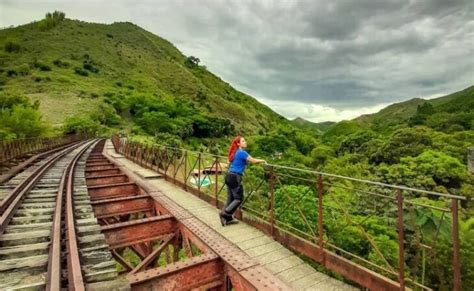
78,68
399,114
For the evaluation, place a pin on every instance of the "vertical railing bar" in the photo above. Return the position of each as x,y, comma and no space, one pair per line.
320,213
216,185
455,234
272,201
185,170
174,166
199,174
401,248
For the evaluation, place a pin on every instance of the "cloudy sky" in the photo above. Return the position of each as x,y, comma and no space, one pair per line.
321,60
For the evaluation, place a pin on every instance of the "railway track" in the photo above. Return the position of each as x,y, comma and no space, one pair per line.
49,237
75,220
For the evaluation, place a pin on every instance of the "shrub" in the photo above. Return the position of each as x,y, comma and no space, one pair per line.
41,66
45,68
84,125
156,122
81,72
106,115
7,101
12,47
19,118
90,66
208,126
109,35
24,70
116,101
12,73
60,63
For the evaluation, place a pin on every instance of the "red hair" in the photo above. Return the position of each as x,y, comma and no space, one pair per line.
233,148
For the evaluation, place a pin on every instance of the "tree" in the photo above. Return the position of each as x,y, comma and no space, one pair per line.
406,142
320,155
431,170
156,122
19,118
356,142
273,143
192,62
304,143
51,20
80,125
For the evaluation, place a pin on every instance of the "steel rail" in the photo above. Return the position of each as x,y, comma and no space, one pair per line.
11,203
53,281
75,279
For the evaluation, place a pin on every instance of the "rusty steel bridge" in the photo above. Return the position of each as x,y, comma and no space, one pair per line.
84,213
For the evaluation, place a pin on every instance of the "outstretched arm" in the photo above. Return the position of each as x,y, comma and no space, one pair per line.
255,161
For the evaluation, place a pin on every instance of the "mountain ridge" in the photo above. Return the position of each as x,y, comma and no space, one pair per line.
402,111
128,61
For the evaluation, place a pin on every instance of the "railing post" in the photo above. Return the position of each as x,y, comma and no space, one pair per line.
455,230
155,158
199,174
216,189
142,150
271,186
175,151
401,248
185,171
320,214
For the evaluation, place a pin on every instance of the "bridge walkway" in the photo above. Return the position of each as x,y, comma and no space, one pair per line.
269,253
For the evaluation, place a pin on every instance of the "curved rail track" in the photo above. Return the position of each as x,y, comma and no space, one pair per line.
49,237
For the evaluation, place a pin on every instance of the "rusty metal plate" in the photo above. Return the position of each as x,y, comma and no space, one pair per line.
121,206
192,273
131,232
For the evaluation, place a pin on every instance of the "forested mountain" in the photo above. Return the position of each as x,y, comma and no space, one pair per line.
121,75
446,113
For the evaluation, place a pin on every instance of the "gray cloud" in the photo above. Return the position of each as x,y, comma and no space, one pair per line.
345,55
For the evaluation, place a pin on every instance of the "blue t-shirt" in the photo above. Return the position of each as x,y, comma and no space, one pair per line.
240,162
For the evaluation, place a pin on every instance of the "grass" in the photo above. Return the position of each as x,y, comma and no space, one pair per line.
55,107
